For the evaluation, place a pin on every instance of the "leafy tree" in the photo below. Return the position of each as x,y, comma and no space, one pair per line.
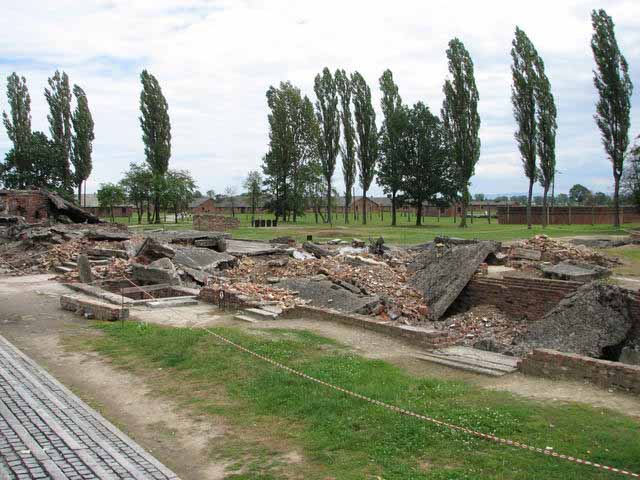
179,191
329,122
348,150
562,199
18,124
253,185
501,199
293,146
426,171
230,193
156,132
611,79
58,96
44,170
601,199
479,197
367,144
138,187
461,119
631,178
211,193
580,194
109,195
82,139
393,142
523,91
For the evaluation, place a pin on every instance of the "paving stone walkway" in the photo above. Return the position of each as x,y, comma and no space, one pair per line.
48,432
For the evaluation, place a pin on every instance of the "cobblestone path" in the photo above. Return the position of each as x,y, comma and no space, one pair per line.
48,432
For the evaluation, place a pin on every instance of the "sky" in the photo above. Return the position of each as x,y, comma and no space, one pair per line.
215,61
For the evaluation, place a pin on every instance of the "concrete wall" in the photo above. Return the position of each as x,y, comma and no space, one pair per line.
603,373
567,215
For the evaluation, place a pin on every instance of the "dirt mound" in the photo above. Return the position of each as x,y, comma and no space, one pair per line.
596,321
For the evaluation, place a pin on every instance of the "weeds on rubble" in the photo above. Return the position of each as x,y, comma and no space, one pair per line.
341,437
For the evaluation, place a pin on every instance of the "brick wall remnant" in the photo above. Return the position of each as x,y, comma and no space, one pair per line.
603,373
213,222
518,297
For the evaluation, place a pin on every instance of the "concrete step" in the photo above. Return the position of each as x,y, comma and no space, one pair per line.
473,360
245,318
260,314
62,269
172,302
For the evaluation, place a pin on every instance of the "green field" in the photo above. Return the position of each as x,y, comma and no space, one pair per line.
270,413
405,232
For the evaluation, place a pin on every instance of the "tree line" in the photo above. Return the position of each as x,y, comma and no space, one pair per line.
36,160
419,157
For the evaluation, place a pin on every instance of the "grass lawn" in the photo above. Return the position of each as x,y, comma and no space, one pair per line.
406,233
344,438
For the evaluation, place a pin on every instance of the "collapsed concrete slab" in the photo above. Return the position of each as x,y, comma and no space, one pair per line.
203,259
574,272
248,248
441,271
189,237
596,321
322,292
147,274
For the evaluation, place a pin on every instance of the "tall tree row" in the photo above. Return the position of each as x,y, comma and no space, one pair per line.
393,151
367,136
535,113
36,161
329,122
524,107
348,149
156,134
18,123
613,110
58,96
461,120
82,140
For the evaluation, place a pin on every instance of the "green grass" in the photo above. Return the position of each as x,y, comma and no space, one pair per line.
406,233
345,438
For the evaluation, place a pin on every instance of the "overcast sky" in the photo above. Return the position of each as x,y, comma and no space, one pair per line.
216,59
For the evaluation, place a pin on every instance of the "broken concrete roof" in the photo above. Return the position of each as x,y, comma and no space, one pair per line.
322,292
443,270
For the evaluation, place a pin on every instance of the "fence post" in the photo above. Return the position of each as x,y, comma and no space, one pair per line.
569,214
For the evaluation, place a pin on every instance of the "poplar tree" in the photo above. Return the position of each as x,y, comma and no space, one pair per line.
82,140
461,119
367,144
58,96
611,79
546,139
329,123
524,107
392,140
348,150
18,123
156,133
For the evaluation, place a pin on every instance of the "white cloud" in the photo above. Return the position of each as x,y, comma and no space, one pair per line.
215,60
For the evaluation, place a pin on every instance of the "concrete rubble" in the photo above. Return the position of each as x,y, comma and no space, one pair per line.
597,321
